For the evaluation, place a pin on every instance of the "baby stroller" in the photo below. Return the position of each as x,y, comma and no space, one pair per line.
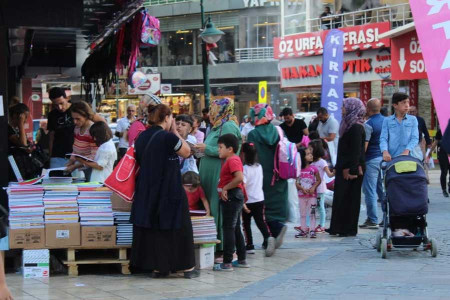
405,206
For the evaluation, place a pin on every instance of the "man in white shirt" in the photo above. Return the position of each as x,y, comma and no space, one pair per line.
328,129
122,129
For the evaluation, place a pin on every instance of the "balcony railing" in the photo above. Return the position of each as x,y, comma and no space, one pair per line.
398,15
162,2
254,54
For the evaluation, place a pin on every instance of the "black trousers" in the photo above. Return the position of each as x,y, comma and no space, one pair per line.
121,153
444,165
231,224
257,212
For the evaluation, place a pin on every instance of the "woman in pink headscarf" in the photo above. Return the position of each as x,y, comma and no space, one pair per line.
349,170
265,138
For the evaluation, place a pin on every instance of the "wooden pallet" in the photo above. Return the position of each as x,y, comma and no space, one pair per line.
72,262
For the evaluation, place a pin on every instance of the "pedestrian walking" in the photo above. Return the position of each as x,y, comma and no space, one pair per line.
372,182
162,228
265,138
400,133
122,129
254,207
223,122
443,162
307,185
294,128
349,170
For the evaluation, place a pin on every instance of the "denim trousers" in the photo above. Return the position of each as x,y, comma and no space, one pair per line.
372,187
231,225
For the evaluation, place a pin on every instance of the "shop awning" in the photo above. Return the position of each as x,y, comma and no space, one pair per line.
398,31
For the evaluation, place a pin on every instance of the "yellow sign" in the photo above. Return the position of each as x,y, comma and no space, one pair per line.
262,92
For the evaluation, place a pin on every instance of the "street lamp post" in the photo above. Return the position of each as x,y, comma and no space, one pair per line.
209,35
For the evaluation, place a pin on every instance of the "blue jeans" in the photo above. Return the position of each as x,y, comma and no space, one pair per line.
58,162
372,187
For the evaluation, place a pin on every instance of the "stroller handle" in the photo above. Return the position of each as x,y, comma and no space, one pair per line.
383,165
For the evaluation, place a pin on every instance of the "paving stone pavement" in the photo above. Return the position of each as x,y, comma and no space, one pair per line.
324,268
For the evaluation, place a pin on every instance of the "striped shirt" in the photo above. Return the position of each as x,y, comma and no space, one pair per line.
84,144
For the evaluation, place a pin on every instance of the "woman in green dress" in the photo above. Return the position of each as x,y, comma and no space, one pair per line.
265,138
223,121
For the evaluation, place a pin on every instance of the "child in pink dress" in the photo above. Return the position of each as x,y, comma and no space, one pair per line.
307,184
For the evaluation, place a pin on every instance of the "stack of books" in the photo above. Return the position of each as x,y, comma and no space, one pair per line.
124,228
60,203
25,206
95,207
204,229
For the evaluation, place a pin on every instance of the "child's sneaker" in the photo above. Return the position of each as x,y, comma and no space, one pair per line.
312,234
301,234
225,267
319,229
241,264
300,229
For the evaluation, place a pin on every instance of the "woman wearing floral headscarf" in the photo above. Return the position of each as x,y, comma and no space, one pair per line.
265,137
223,122
349,170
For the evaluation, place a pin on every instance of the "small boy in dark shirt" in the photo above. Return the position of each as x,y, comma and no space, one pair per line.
231,191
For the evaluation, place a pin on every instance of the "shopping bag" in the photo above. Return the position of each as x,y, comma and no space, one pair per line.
123,178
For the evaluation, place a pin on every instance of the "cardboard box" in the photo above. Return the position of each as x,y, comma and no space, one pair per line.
204,256
98,236
62,235
36,263
27,238
119,204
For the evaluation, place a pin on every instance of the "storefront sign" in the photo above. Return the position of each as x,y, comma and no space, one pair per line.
365,91
358,67
332,79
431,18
307,44
262,92
407,57
166,88
414,93
152,86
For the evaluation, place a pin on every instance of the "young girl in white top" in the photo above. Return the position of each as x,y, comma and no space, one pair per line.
254,207
318,153
106,154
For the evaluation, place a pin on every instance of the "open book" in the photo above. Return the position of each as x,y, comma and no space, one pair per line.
80,156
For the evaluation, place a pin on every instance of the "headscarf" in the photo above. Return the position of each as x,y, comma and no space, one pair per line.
261,114
354,114
222,111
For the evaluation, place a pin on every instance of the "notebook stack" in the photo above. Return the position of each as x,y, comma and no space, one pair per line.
60,203
124,228
57,180
95,207
204,229
26,206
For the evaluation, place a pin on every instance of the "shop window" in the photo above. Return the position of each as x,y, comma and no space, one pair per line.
225,51
177,48
261,30
148,57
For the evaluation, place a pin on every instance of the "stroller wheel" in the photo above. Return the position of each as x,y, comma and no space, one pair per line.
433,247
383,248
378,242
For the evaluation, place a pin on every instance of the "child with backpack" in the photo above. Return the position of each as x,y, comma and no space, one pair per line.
318,153
254,207
307,184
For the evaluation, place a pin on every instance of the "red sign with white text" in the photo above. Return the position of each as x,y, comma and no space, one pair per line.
361,37
407,59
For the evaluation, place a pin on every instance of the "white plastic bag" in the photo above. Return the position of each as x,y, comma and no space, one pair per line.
294,212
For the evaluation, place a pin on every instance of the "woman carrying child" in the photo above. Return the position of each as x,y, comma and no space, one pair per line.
254,207
307,184
318,153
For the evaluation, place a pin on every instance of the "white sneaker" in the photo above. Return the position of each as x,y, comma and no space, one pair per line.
279,239
270,249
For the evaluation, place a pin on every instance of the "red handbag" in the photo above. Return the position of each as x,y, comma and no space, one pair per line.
122,180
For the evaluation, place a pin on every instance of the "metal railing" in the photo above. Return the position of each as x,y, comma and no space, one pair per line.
398,15
162,2
254,54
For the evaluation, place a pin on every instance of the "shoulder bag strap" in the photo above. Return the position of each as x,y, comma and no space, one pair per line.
149,142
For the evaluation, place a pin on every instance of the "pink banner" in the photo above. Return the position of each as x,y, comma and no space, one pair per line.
432,20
